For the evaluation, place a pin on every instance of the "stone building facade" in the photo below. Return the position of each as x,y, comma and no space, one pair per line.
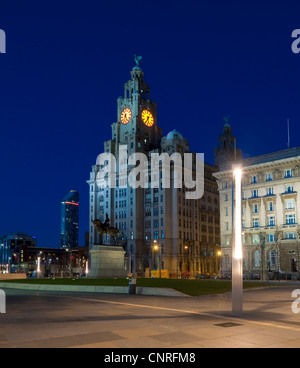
158,227
270,214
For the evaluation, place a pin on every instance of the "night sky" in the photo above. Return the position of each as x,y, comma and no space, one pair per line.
67,62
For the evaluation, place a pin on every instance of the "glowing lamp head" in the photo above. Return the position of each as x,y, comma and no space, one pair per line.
238,174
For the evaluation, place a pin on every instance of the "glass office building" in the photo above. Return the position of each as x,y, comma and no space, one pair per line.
11,248
69,232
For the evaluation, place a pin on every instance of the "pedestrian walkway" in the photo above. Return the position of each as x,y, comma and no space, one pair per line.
40,319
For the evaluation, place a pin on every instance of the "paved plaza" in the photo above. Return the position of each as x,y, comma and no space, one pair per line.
51,319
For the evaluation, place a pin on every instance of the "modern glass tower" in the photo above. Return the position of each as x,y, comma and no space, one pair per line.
69,232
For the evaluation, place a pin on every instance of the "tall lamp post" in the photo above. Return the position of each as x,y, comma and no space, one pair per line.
157,248
237,251
219,263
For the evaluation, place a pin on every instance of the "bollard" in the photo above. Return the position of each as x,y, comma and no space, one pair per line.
132,286
2,302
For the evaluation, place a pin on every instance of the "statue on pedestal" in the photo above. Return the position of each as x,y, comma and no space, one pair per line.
105,228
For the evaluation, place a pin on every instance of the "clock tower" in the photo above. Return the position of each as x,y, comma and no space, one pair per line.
137,130
159,229
136,124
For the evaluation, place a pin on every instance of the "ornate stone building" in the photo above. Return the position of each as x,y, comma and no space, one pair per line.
270,214
157,225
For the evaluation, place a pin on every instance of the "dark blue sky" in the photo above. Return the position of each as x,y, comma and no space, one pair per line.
67,62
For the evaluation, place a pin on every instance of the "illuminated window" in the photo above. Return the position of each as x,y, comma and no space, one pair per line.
290,219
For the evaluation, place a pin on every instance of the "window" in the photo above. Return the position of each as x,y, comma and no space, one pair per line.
270,206
254,193
226,197
226,211
290,236
255,208
255,222
155,235
257,259
290,204
254,179
289,188
269,177
273,259
290,219
288,173
270,191
155,223
255,239
271,221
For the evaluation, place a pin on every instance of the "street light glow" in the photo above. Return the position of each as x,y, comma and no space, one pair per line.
39,264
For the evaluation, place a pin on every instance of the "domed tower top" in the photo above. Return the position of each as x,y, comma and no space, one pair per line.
174,135
227,153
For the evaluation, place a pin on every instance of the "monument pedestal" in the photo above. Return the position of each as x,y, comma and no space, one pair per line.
107,262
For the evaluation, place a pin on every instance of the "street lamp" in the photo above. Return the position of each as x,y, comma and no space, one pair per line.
156,248
87,267
219,266
38,267
237,251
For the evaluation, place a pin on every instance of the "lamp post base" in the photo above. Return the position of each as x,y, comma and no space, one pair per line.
237,287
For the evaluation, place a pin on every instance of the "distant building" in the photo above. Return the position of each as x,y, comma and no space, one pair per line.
270,214
69,234
19,253
12,244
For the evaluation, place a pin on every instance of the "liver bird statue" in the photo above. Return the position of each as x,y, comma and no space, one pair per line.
137,59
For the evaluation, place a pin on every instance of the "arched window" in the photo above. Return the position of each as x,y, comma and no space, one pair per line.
273,259
257,259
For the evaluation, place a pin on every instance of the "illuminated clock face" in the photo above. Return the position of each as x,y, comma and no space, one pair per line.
126,115
147,118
